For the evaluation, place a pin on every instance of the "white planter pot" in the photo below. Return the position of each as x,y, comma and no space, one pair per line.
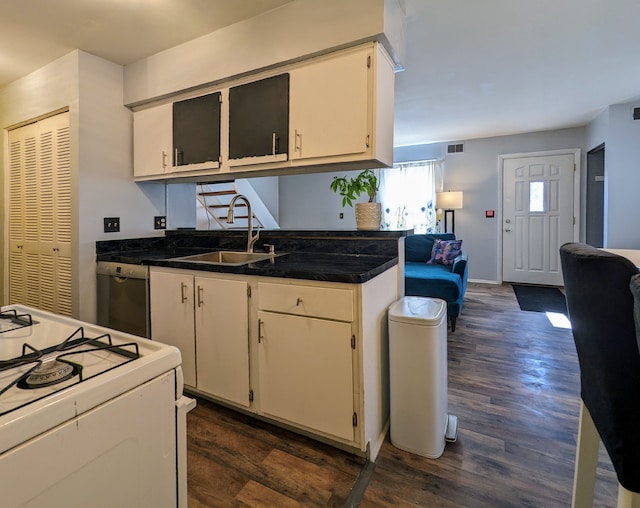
368,216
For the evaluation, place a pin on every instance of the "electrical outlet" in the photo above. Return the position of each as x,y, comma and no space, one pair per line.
111,224
159,222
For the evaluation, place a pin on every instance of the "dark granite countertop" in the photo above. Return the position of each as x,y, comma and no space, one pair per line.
350,257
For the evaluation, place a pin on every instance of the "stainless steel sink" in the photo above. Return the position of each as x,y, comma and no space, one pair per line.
228,257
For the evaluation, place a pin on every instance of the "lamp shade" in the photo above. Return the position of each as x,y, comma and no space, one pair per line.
449,200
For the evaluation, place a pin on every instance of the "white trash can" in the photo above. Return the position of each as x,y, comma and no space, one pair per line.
418,375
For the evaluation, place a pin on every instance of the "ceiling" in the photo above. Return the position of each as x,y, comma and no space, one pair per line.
473,69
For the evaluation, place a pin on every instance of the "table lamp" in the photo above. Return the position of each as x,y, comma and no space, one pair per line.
449,201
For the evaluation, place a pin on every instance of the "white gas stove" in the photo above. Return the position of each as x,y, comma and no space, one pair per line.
94,405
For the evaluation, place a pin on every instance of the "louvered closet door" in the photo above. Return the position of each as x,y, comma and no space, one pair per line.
40,215
18,140
55,214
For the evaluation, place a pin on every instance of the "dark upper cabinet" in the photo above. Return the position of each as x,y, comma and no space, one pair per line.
259,118
196,130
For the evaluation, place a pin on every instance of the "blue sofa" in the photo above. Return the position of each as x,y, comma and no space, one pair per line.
432,280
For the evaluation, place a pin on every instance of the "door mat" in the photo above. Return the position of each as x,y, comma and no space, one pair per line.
540,299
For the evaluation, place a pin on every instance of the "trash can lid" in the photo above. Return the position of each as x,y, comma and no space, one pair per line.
418,310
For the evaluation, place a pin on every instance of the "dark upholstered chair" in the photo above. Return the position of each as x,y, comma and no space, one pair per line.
601,310
431,280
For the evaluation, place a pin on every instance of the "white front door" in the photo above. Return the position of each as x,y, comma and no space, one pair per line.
537,217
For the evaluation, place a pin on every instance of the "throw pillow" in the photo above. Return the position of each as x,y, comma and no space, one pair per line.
444,252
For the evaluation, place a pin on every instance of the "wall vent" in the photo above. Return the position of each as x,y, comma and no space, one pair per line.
636,113
459,148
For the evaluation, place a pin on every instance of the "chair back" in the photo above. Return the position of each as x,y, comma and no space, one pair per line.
601,310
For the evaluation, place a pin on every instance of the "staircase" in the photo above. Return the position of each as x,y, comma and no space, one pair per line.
212,206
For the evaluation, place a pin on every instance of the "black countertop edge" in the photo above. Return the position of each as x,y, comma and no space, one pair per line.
352,269
336,256
303,233
348,268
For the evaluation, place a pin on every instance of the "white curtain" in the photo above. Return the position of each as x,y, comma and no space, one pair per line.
408,195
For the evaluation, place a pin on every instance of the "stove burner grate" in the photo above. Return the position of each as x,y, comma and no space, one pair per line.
11,320
49,373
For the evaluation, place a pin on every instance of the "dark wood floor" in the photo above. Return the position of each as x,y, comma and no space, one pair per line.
513,384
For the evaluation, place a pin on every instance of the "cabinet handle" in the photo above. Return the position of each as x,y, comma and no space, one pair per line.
200,301
164,159
273,143
297,140
298,301
183,296
260,337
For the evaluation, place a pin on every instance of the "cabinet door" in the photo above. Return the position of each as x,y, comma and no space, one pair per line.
329,107
259,118
306,373
152,141
196,131
222,335
171,299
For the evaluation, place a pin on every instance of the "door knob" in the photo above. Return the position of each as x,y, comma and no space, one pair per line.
508,221
507,230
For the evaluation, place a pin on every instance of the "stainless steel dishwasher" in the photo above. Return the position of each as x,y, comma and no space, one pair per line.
123,297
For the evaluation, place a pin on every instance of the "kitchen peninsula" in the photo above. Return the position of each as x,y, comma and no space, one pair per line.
299,338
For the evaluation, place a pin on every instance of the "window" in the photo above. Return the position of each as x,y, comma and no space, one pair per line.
536,196
408,195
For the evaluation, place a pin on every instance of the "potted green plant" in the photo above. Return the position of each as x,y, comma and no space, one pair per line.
369,214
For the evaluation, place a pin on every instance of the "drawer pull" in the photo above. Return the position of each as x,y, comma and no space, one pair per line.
298,302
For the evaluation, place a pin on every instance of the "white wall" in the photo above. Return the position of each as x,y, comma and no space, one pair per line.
476,172
620,134
268,189
48,89
294,31
101,141
306,202
622,178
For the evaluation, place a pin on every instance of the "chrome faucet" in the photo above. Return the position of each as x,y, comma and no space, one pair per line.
251,239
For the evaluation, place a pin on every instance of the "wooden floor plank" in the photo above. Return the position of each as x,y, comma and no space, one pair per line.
514,386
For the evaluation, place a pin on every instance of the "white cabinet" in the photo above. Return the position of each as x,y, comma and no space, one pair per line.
342,108
152,141
172,310
207,319
329,107
313,354
339,110
306,372
306,363
222,339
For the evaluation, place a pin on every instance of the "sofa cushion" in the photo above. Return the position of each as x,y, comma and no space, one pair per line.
418,247
436,281
444,252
